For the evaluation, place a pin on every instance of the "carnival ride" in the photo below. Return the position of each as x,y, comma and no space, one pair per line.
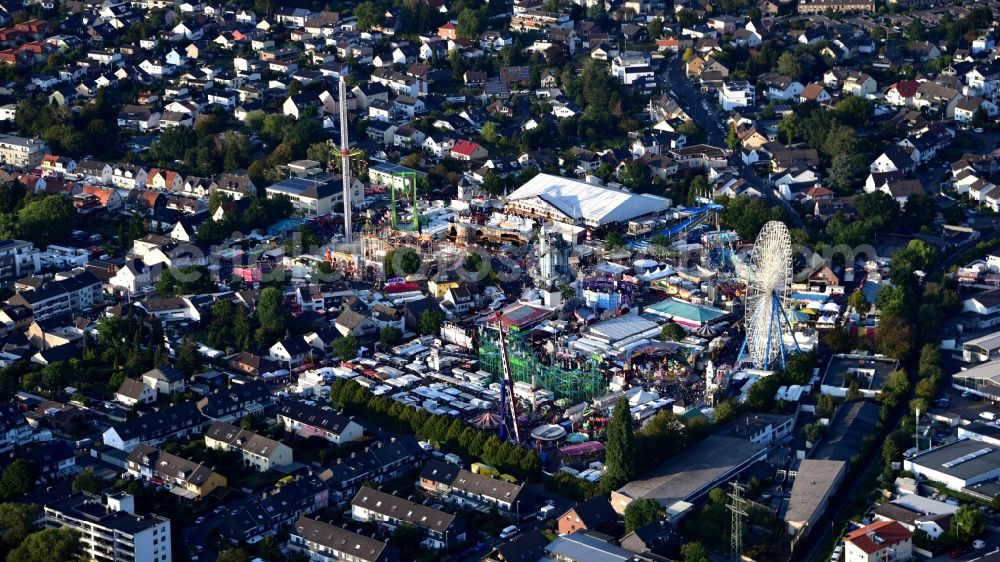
691,218
719,253
769,277
567,377
409,185
345,164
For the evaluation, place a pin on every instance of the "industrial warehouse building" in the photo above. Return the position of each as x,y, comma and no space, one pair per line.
969,466
815,483
982,380
692,473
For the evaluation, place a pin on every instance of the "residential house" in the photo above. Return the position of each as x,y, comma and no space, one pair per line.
437,528
178,421
291,352
194,480
166,380
257,451
883,540
133,391
468,150
595,514
327,543
309,421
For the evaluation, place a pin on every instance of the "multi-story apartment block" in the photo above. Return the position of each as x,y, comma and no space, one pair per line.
19,258
112,531
79,290
22,152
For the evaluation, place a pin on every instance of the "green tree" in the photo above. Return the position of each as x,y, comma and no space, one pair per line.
878,206
898,382
18,479
967,524
619,447
613,240
17,520
916,255
346,348
490,132
407,538
236,150
188,358
859,302
470,23
788,65
430,322
390,336
641,512
845,170
88,481
48,545
919,211
694,552
732,138
748,215
655,28
271,311
672,331
46,220
636,175
980,117
826,405
233,555
854,110
894,336
368,15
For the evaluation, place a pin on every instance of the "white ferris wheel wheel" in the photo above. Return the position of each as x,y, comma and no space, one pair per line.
769,278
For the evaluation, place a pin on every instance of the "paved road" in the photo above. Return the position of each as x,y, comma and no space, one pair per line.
704,115
969,554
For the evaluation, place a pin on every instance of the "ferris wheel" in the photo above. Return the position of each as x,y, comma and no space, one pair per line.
769,277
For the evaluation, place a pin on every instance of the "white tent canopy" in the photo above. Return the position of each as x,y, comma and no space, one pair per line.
595,205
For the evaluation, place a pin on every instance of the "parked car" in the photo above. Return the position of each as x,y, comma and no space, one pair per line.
508,532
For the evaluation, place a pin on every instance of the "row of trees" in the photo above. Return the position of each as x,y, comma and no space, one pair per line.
447,432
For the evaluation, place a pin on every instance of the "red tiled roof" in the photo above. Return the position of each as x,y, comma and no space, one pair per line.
464,147
884,534
906,88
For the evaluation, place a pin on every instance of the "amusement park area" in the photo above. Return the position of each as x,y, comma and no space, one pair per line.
567,298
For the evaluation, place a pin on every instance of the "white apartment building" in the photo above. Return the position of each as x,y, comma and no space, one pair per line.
112,531
19,258
736,94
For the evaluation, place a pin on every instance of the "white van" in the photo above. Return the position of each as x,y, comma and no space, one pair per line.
546,512
508,532
988,416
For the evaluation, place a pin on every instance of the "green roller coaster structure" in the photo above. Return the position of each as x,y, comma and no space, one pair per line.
571,383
